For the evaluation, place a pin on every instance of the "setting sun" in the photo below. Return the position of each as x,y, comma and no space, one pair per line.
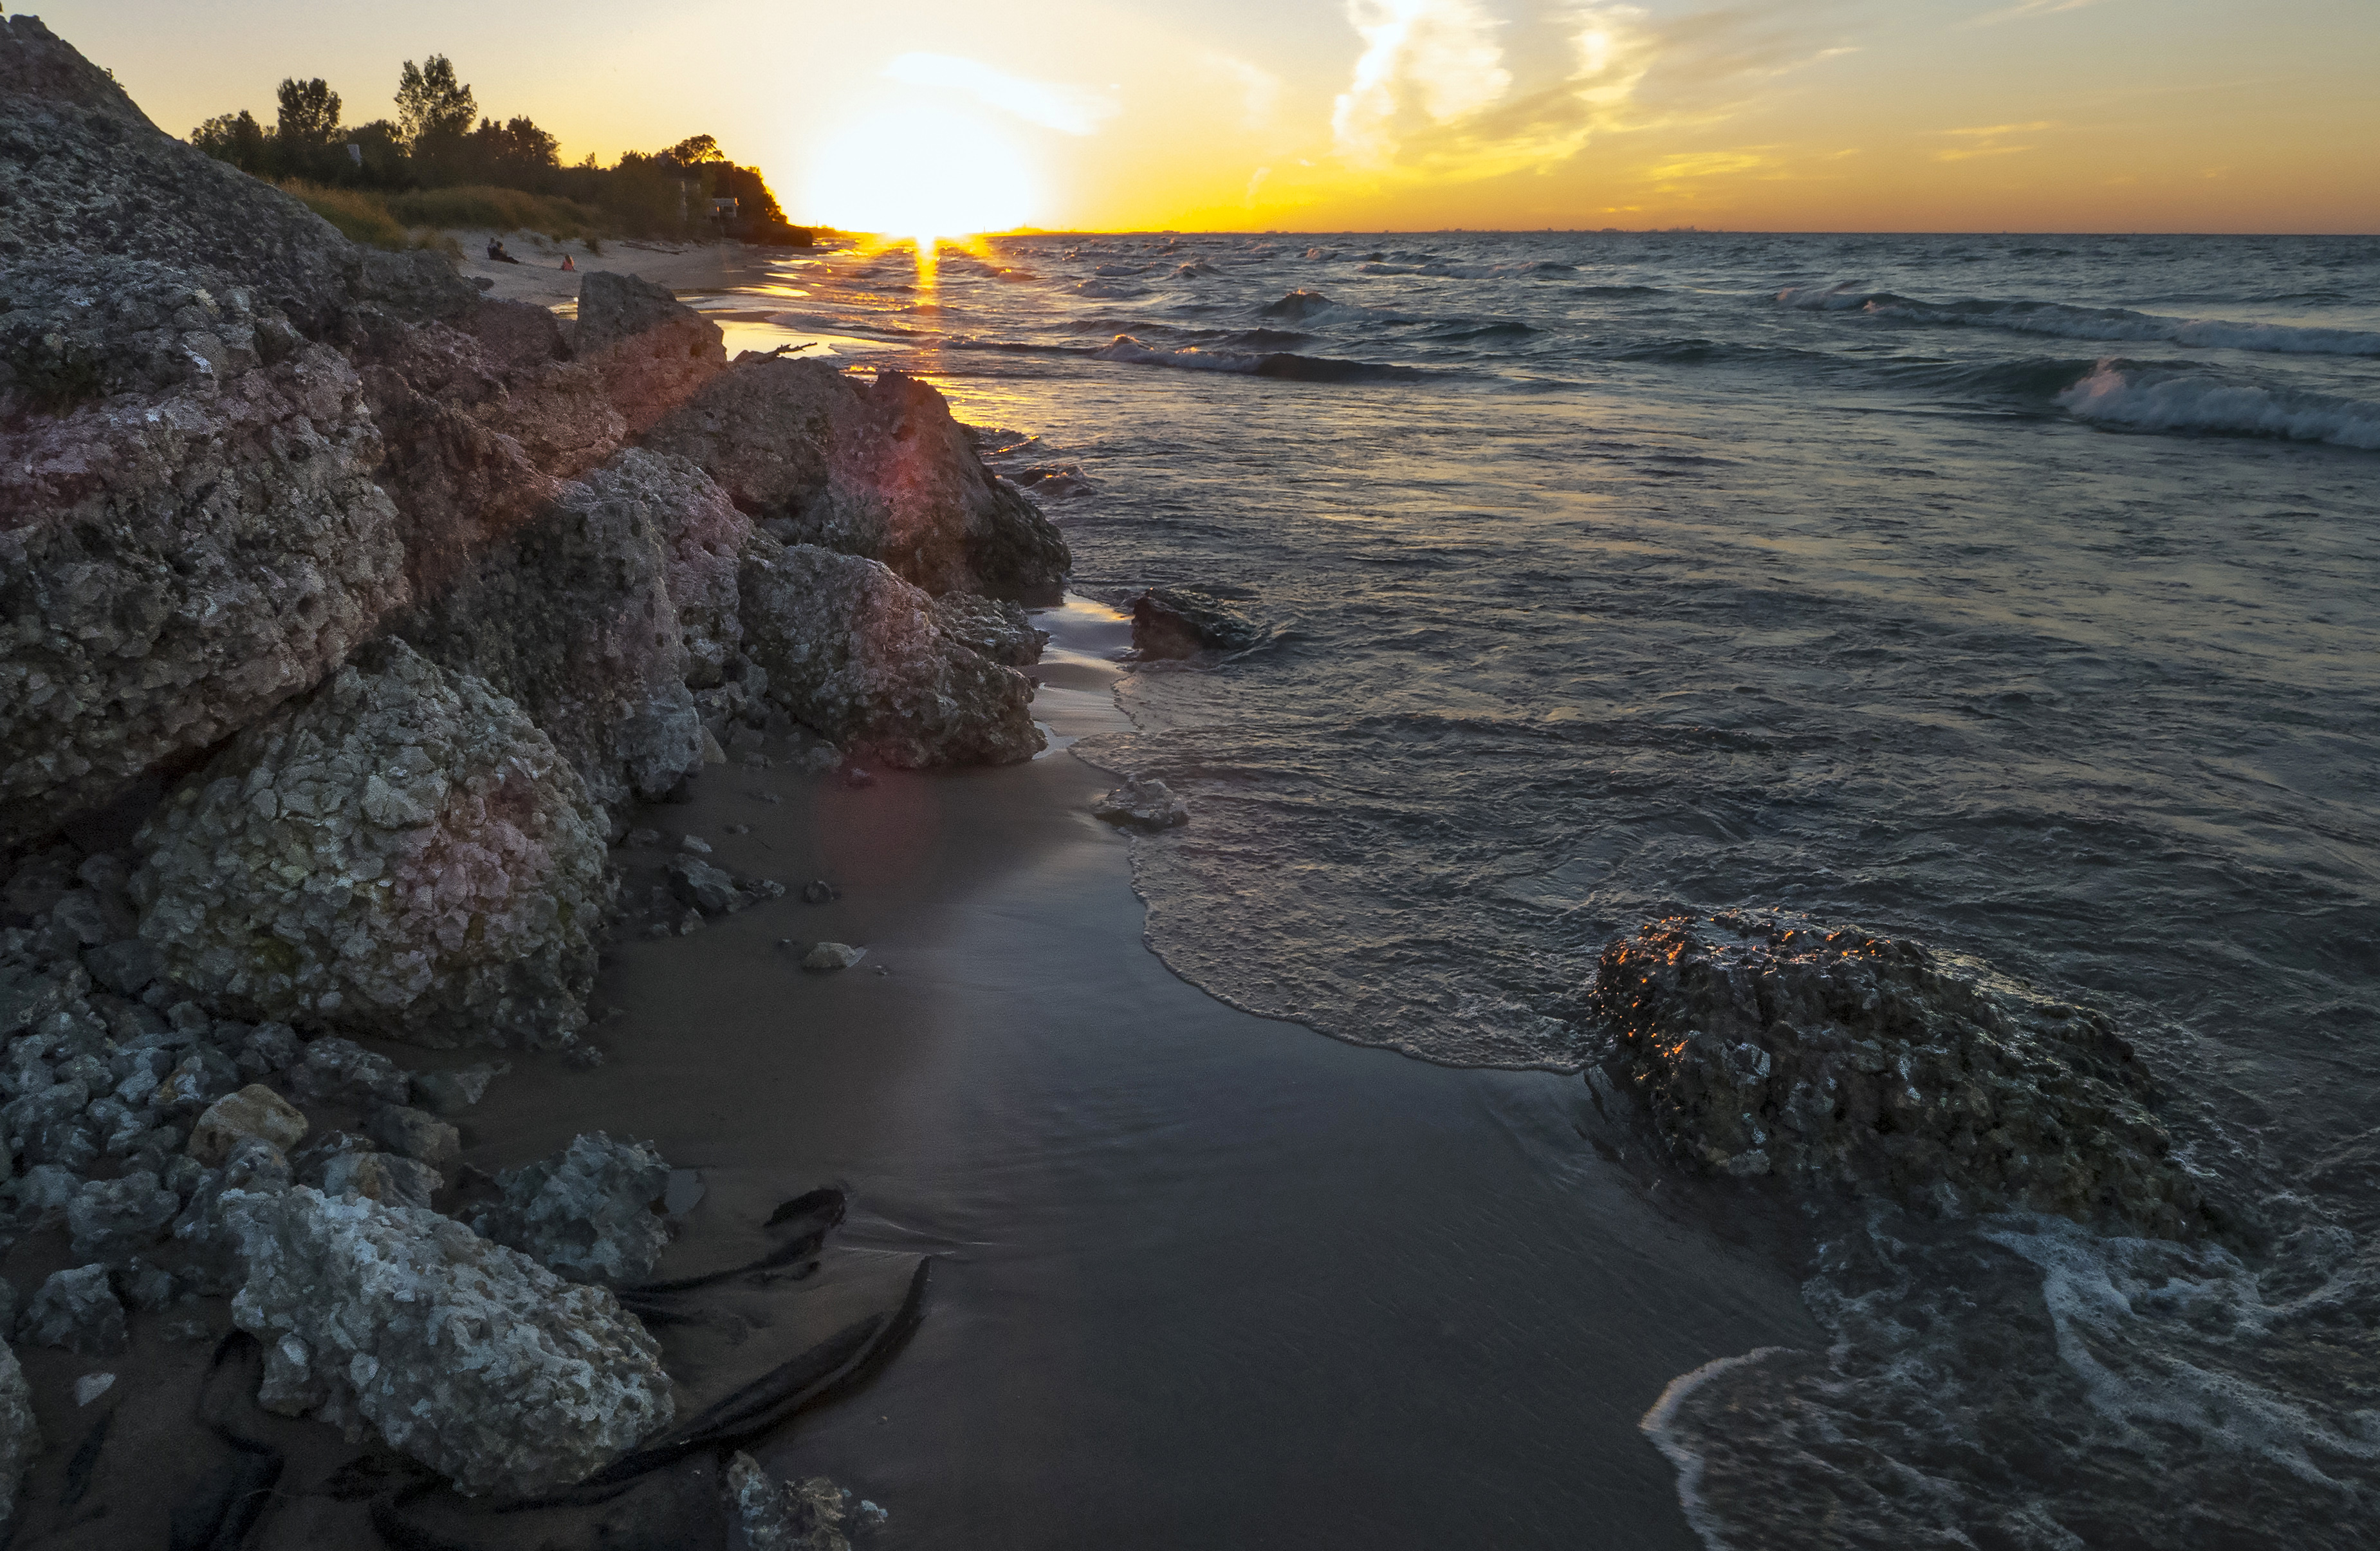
921,173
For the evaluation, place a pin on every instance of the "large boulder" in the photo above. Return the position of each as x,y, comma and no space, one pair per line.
173,567
1835,1058
586,1213
401,852
465,1355
654,353
573,617
854,652
87,176
880,470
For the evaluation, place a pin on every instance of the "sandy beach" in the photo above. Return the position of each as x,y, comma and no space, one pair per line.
539,277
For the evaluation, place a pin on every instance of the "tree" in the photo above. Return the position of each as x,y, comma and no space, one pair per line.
310,115
236,138
432,105
695,150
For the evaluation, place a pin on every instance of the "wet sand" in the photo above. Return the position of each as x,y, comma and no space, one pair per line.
1200,1278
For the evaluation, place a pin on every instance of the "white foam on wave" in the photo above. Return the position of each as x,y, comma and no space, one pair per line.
1127,349
2122,397
1660,1426
1442,271
2125,1298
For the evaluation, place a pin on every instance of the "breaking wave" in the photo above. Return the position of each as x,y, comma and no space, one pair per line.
2121,392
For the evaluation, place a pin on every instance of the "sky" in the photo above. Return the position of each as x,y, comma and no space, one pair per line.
2215,115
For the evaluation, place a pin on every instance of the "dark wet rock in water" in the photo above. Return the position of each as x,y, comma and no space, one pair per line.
997,628
76,1310
1143,805
586,1213
453,879
1184,622
20,1434
857,653
342,1070
464,1355
827,957
880,470
1836,1058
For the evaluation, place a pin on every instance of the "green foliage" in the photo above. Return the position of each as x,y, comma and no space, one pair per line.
432,106
310,114
430,166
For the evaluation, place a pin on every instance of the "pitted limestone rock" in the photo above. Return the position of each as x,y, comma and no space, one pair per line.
172,567
587,1212
1764,1046
466,1355
575,616
401,852
854,652
879,471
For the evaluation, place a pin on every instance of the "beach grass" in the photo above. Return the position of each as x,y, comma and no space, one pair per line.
413,219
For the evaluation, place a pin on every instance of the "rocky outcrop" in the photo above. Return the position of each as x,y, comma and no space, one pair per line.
586,1213
766,1514
172,568
401,852
575,617
653,352
461,1353
995,628
854,652
1838,1060
76,1310
20,1434
881,471
1184,622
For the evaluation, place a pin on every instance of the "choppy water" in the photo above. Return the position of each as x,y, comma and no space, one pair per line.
2016,594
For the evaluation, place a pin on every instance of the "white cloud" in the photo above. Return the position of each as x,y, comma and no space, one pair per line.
1438,57
1075,110
1259,90
2027,8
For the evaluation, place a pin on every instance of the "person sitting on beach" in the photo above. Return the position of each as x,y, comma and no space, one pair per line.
496,252
568,263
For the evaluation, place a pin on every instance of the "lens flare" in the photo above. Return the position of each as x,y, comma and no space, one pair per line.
921,173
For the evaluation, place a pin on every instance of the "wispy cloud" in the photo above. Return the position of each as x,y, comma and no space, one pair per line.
1259,90
1074,110
1438,58
2027,8
1986,140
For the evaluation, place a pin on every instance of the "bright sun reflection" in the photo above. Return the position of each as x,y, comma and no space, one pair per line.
919,173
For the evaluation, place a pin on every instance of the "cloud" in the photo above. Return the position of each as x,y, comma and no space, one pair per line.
1259,90
1986,139
1075,110
1435,58
2025,9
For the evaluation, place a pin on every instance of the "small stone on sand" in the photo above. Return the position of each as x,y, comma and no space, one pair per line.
833,955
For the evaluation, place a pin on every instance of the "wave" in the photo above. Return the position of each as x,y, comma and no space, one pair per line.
2086,322
1621,290
2120,394
1276,363
1459,330
1302,306
1442,271
1110,289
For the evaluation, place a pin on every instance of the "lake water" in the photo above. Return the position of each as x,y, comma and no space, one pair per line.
2012,593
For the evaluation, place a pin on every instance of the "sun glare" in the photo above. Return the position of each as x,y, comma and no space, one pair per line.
922,173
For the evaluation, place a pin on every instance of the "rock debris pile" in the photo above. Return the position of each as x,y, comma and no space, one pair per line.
344,618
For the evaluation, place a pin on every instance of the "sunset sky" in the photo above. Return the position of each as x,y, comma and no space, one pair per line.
1324,114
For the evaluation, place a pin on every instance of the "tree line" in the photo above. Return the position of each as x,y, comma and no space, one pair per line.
435,142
